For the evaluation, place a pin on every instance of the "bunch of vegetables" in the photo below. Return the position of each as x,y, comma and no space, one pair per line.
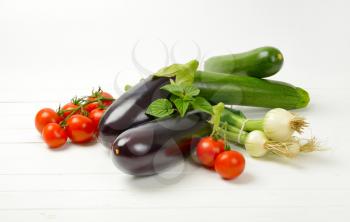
76,120
181,109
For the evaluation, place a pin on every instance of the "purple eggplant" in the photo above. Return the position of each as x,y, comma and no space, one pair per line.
129,109
150,148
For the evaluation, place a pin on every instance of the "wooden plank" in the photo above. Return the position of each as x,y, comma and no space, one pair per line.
92,165
133,198
37,158
205,180
256,214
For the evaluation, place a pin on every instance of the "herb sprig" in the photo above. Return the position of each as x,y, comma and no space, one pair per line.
183,94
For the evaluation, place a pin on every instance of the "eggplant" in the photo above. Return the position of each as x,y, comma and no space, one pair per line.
129,109
154,146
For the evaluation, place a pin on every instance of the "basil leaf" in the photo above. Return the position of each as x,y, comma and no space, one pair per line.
202,104
216,116
182,91
186,75
181,106
174,89
169,71
160,108
191,91
173,98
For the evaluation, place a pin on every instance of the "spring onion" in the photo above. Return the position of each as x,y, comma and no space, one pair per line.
257,144
278,124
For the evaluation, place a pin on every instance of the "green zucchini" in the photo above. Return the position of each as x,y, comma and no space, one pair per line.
261,62
249,91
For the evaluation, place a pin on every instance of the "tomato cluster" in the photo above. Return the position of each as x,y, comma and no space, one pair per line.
76,120
212,154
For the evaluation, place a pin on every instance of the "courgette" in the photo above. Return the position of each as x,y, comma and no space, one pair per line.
249,91
261,63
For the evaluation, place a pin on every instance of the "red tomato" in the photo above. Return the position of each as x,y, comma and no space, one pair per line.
80,128
95,115
109,96
69,106
229,164
208,149
91,106
45,116
54,135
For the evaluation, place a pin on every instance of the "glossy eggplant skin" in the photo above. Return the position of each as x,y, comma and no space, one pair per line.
152,147
129,109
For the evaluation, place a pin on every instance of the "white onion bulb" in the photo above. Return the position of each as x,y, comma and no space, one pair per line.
280,124
255,143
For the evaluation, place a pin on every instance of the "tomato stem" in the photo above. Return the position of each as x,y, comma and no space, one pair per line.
83,101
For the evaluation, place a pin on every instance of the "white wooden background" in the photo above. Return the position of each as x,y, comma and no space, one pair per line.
53,50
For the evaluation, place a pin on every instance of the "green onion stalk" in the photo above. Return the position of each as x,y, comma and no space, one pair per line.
278,124
258,145
249,133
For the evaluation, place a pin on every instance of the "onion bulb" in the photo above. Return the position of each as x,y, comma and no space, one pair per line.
280,124
255,143
258,145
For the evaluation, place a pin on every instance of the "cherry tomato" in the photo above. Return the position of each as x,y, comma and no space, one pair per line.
208,149
45,116
54,135
109,96
95,115
69,106
80,128
229,164
91,106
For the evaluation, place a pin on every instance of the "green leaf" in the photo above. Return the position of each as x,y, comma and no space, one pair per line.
216,116
202,104
186,75
181,106
191,91
182,91
173,98
160,108
174,89
169,71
